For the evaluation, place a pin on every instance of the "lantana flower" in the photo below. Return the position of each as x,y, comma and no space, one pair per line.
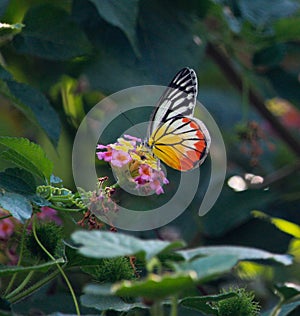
133,161
49,214
7,225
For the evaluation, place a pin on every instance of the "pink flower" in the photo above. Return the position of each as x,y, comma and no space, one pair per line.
140,182
145,172
6,226
142,165
120,158
100,146
104,155
49,214
135,139
157,180
156,186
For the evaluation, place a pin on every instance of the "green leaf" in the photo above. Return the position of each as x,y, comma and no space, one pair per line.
50,33
75,259
117,245
287,290
104,303
100,290
241,253
157,287
284,310
162,29
4,74
200,303
122,14
18,181
36,107
19,207
27,155
282,224
209,267
10,270
244,203
287,29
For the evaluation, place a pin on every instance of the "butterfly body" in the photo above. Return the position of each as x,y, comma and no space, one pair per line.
174,135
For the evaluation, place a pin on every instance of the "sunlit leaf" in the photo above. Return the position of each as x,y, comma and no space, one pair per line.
294,249
282,224
252,270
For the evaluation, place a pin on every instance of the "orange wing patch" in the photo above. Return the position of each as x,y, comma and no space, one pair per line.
181,142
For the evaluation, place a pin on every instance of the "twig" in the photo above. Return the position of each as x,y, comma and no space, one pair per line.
255,99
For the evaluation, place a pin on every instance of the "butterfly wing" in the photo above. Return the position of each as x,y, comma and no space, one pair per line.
175,136
181,142
178,99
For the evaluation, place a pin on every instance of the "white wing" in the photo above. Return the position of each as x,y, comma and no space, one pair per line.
179,99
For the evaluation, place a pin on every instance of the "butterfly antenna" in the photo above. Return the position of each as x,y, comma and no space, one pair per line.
138,132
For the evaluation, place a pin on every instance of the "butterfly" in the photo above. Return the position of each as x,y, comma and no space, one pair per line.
174,136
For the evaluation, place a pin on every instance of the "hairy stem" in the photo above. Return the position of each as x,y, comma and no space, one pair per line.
12,280
58,267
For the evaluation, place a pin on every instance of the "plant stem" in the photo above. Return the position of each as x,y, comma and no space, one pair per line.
255,99
21,286
156,309
6,216
12,280
34,287
174,301
58,208
276,309
58,266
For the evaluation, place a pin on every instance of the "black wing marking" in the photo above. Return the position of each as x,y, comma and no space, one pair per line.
178,99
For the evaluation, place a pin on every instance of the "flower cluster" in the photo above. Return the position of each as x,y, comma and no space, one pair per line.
100,206
133,161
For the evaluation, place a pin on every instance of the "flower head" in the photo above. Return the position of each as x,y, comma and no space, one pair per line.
120,158
133,161
7,226
49,214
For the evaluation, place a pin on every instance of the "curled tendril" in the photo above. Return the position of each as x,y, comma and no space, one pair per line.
60,195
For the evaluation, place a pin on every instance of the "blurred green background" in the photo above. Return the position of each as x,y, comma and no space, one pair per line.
59,58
